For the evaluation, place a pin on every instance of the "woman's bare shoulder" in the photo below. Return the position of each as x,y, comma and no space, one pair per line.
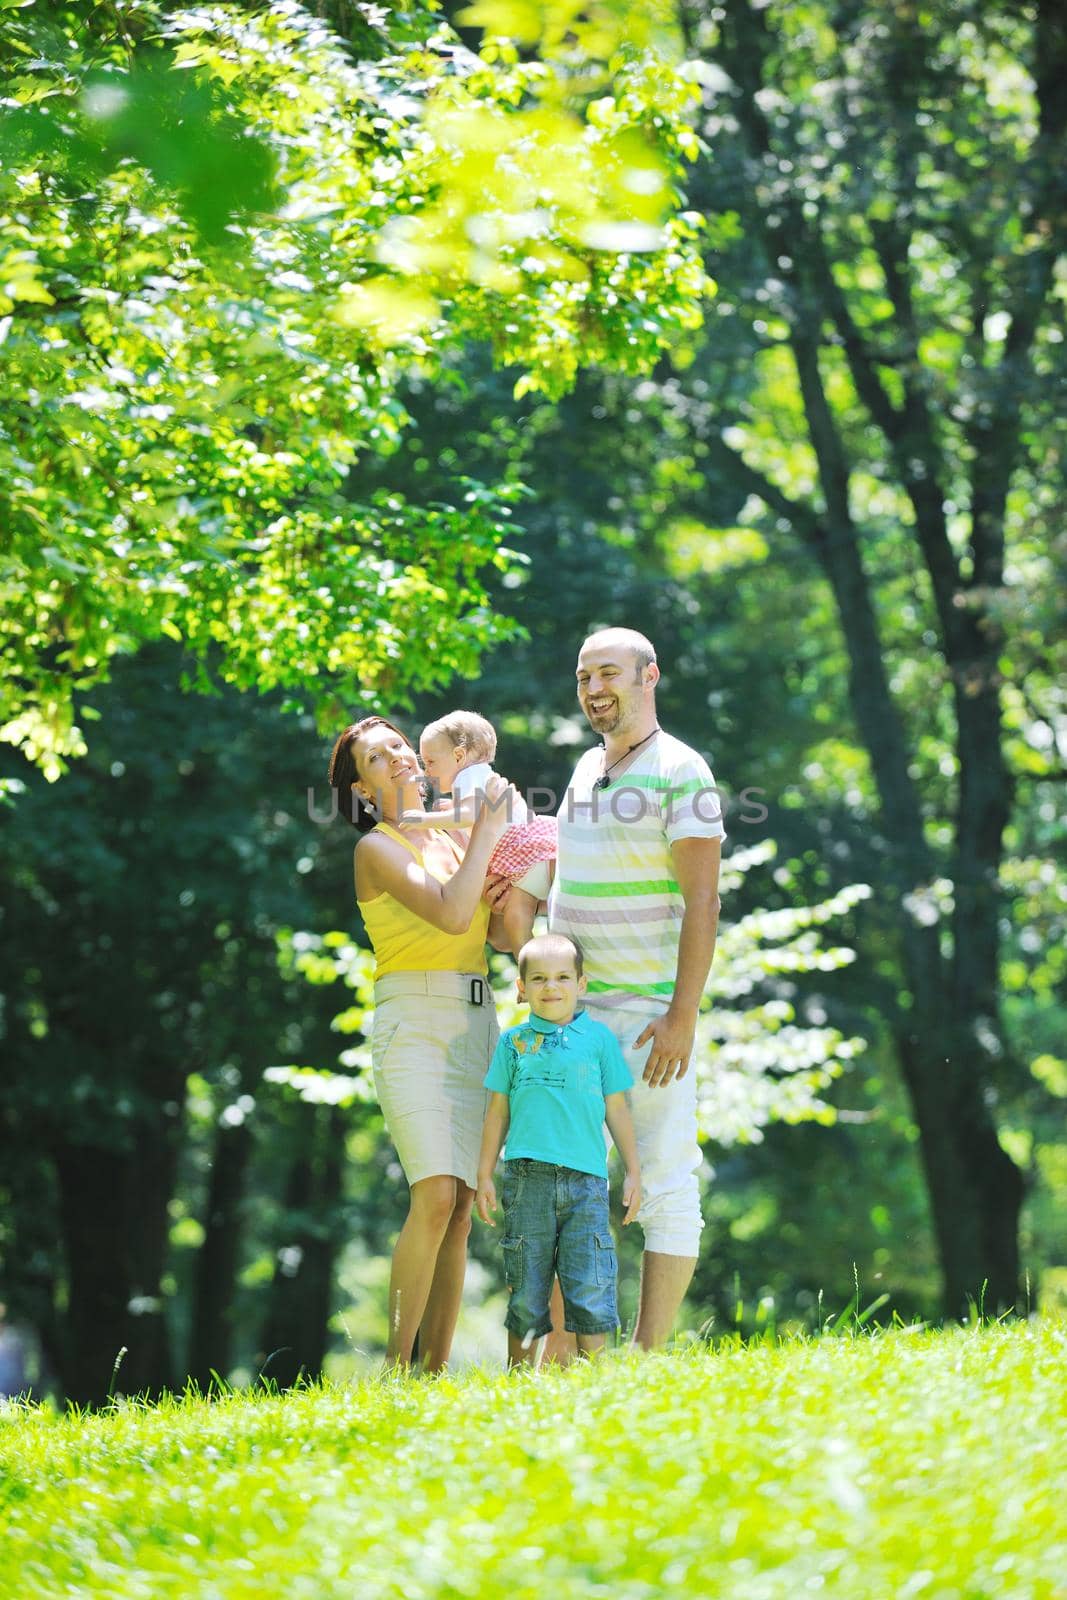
374,855
369,846
371,851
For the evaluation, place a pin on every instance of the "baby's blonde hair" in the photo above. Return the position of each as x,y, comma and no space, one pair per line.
467,731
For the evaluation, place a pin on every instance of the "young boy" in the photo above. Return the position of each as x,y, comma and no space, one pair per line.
457,751
555,1081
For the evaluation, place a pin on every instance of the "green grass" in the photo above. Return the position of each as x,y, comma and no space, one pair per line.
874,1467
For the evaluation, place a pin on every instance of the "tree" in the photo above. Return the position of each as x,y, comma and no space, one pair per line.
897,180
670,501
225,238
137,958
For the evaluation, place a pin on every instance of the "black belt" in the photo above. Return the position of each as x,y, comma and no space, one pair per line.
477,995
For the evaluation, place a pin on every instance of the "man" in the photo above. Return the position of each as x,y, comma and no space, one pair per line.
640,834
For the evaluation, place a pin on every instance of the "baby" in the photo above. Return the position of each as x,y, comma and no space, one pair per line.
457,751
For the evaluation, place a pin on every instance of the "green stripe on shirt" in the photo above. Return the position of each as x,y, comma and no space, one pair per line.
630,988
634,887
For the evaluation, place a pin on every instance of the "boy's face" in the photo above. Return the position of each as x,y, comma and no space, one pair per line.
552,987
440,760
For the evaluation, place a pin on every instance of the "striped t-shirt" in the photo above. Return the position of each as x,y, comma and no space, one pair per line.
615,890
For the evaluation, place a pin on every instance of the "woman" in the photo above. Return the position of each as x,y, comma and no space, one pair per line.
435,1026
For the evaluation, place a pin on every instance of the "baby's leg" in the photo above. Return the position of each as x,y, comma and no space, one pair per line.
519,914
590,1344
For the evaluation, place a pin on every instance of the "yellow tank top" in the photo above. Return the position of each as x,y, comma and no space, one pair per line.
404,942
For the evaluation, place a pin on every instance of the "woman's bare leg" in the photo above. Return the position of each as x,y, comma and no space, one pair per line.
446,1291
432,1204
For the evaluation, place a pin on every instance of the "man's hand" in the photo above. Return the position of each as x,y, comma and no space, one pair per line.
485,1200
631,1196
672,1045
496,891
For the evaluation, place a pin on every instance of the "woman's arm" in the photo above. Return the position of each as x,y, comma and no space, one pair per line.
384,866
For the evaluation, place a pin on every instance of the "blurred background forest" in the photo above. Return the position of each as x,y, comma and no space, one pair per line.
827,480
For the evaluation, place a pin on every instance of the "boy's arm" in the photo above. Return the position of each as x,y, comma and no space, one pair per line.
621,1127
494,1132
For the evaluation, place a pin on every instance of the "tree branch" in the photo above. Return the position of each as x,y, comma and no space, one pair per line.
877,717
910,433
801,518
862,364
996,432
834,539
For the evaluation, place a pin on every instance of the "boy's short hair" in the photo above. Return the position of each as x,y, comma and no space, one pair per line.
467,730
549,944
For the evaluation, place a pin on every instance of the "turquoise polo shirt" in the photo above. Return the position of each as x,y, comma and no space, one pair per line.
555,1075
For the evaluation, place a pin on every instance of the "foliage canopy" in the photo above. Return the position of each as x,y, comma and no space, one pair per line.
226,234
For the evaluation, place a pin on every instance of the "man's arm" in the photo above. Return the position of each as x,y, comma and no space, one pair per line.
696,867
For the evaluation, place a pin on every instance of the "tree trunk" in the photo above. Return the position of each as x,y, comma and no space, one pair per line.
976,1190
149,1367
211,1335
113,1213
295,1332
92,1188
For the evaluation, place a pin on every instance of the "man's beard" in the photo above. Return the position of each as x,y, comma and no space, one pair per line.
617,721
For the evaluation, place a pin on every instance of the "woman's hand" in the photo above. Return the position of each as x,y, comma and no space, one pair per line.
496,892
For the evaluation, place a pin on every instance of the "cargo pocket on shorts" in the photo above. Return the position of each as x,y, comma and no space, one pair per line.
605,1264
513,1263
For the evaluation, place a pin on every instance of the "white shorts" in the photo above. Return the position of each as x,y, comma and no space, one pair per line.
665,1122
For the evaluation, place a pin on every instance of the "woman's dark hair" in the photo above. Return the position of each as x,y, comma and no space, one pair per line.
343,776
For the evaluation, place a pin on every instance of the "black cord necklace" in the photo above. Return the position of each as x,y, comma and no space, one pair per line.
605,777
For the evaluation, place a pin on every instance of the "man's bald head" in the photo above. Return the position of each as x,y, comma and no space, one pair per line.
617,676
626,640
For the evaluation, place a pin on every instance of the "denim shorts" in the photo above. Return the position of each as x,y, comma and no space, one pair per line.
556,1221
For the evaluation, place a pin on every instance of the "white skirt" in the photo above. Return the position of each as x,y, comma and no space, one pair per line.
433,1037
